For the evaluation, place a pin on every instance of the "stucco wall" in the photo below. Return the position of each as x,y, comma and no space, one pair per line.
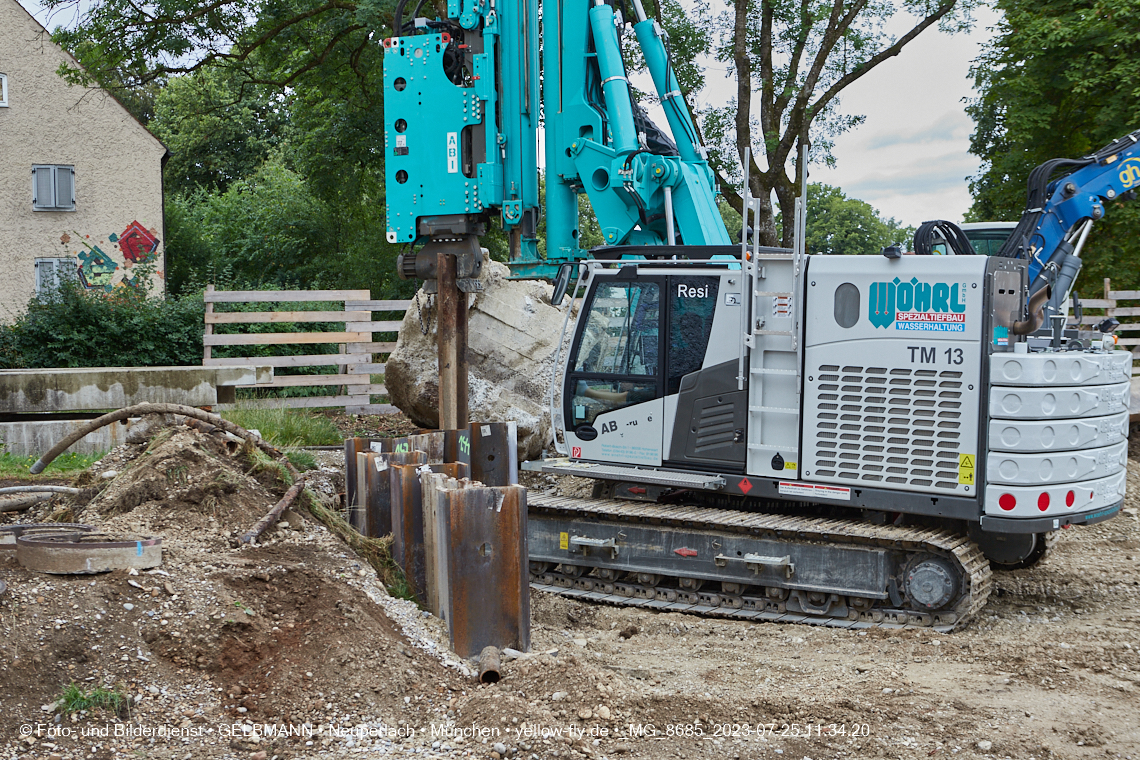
118,171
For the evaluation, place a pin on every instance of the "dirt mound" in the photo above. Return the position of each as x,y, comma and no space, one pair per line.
187,481
295,632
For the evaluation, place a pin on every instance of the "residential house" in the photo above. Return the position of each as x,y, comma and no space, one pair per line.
81,183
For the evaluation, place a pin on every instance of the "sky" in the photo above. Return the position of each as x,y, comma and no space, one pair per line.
910,159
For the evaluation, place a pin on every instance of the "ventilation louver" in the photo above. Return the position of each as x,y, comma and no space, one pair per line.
891,428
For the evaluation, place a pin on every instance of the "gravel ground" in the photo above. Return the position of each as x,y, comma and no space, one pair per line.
297,633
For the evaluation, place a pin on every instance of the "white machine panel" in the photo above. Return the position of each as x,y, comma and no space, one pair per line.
630,435
1045,501
1061,368
1057,435
1058,403
1056,467
892,371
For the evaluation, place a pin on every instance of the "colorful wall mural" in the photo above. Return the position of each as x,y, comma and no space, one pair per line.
100,270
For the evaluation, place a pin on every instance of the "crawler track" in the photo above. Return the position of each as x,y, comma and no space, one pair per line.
614,578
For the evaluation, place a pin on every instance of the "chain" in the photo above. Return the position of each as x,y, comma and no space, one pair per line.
424,328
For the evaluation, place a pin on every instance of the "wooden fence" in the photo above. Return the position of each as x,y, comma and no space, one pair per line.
358,357
1110,306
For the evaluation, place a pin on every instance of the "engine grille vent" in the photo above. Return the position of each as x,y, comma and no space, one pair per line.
898,426
715,427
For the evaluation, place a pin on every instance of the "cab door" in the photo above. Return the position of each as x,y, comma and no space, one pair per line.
614,387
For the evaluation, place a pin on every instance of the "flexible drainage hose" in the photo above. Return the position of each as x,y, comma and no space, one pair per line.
141,409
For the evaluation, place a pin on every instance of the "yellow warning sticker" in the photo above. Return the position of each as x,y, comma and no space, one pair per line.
789,465
564,539
966,469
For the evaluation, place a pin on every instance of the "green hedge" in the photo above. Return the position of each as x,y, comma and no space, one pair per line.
73,327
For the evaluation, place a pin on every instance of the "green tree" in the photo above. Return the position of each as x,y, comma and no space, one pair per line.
792,60
1059,80
837,224
803,54
216,134
273,228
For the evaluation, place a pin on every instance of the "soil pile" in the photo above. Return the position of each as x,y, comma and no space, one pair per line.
294,633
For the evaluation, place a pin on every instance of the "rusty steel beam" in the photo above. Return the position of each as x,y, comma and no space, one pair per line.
431,443
462,386
494,453
352,447
457,446
380,488
373,516
408,548
357,511
487,600
447,336
391,445
435,554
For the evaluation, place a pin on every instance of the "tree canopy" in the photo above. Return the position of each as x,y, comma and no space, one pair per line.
837,224
1059,80
792,60
272,109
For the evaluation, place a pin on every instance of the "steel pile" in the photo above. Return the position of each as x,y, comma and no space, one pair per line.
457,516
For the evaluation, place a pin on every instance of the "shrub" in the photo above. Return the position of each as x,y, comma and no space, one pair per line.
74,327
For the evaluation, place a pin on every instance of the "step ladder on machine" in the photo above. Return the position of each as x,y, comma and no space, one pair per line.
771,318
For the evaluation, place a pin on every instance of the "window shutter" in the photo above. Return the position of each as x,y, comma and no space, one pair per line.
45,275
64,187
43,187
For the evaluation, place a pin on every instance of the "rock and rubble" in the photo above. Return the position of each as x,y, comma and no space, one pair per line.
297,633
513,334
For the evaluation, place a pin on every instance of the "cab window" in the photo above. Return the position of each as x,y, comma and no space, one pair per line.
616,363
692,305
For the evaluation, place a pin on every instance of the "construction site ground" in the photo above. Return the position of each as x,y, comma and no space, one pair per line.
297,633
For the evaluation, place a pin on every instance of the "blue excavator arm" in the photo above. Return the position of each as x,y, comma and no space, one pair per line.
1059,213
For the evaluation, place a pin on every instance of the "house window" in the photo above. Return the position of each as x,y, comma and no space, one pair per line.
50,272
53,188
3,90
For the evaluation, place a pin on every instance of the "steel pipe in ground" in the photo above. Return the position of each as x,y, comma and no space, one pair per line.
489,665
40,489
274,514
20,503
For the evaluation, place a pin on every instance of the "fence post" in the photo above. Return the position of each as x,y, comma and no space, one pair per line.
354,369
206,348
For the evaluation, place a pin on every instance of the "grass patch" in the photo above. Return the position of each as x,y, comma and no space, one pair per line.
376,551
12,466
287,427
302,460
75,699
261,462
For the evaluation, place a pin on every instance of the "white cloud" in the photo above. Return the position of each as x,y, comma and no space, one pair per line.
910,158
